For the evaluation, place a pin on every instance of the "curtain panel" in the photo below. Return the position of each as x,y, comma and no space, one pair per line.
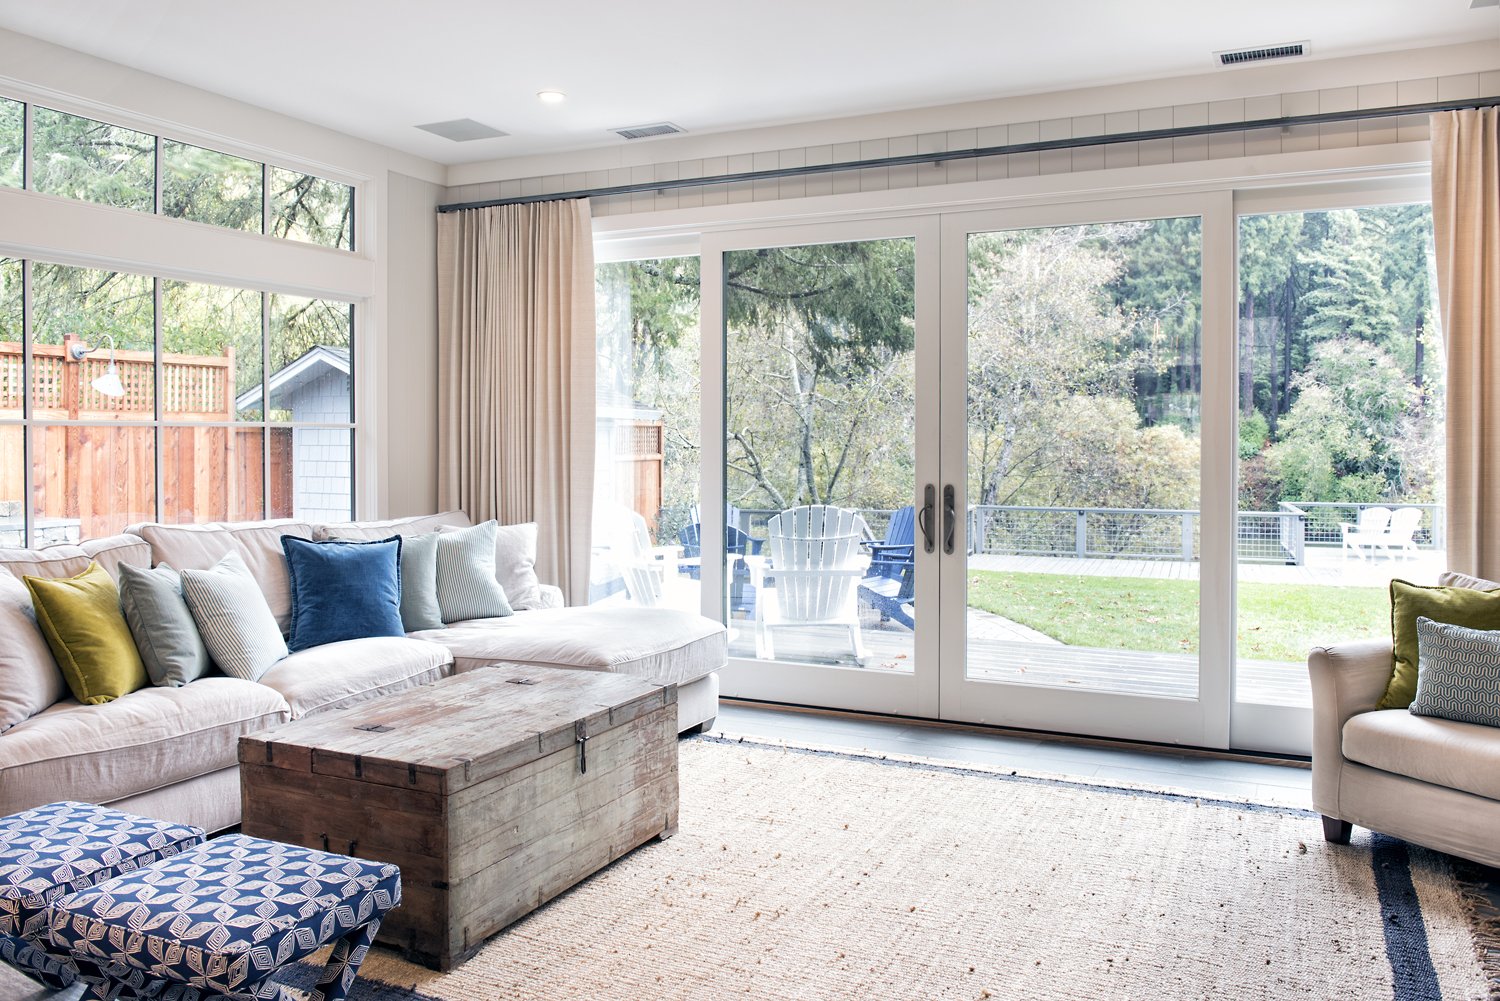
516,375
1466,229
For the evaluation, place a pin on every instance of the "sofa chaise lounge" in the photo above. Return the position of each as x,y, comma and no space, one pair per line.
171,752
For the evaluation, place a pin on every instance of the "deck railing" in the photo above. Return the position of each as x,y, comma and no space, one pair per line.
1280,536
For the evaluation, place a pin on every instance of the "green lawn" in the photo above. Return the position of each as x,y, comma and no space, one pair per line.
1277,621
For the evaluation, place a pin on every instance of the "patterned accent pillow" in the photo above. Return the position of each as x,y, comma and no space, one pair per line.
233,618
466,584
1458,673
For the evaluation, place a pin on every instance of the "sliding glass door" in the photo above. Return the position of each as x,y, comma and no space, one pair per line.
1074,446
827,337
1106,467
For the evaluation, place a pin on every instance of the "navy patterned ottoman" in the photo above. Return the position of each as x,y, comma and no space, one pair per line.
58,849
218,919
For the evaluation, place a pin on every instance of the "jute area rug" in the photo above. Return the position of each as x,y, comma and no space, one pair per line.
806,874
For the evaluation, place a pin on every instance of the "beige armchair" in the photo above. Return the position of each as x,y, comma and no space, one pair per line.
1430,781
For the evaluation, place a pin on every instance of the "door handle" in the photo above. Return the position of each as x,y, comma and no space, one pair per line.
929,509
948,519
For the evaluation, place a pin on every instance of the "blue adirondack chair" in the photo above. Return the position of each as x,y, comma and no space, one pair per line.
736,543
890,583
893,555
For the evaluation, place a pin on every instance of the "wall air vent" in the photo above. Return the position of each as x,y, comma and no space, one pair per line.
1234,57
462,130
647,131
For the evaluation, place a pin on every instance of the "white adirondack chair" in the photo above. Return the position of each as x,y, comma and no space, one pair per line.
816,563
1404,524
623,535
1368,532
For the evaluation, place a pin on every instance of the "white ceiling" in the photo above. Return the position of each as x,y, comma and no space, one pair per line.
377,68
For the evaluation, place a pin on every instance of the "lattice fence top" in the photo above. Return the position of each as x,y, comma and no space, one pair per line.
194,387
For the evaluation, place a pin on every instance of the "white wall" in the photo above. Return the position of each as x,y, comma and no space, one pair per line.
1233,94
391,280
408,393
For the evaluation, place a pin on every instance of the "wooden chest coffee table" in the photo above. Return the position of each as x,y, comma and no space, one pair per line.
493,790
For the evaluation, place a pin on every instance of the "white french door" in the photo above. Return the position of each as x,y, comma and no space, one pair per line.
827,338
1087,448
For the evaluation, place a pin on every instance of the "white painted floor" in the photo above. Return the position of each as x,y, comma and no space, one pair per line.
1258,779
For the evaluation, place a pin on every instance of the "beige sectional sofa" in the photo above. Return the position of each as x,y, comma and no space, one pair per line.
171,752
1434,782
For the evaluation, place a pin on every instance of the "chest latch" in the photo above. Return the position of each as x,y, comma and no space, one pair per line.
581,738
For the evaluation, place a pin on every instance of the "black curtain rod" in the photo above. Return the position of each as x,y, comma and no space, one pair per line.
1187,131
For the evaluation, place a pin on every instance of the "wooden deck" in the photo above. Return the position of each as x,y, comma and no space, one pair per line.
1050,665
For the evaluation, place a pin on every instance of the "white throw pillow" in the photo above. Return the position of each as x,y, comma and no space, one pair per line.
29,678
515,563
233,618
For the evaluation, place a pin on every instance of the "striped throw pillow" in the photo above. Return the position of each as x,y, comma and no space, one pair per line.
233,618
1458,673
466,584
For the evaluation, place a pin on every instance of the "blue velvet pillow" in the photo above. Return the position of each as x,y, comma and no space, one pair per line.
343,590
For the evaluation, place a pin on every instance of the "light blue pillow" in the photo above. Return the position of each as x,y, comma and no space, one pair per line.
419,597
162,625
466,584
1458,673
233,618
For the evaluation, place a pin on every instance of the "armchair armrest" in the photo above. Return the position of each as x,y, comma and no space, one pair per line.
1347,679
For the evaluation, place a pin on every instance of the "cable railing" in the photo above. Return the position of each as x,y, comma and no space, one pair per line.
1281,536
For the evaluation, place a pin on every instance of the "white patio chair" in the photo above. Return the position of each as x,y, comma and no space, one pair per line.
817,564
1400,536
1368,532
626,543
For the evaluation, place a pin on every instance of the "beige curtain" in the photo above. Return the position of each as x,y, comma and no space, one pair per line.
1466,224
516,375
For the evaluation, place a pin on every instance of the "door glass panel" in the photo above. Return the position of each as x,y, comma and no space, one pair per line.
1340,433
1083,404
646,545
819,460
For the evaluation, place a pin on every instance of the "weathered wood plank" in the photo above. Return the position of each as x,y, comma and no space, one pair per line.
491,813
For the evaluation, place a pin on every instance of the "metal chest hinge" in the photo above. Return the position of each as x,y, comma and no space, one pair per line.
581,738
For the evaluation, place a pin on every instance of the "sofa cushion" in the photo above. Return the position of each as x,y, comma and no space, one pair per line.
142,741
1452,578
341,674
658,644
29,678
233,619
466,584
1458,677
69,560
515,565
81,618
162,625
343,590
258,543
1460,606
368,531
1463,756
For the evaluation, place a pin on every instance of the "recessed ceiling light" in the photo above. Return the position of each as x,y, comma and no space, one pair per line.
551,96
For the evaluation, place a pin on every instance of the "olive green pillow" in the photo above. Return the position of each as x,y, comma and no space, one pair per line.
1459,606
81,618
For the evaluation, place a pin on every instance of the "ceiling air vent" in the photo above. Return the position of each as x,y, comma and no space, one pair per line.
647,131
1234,57
462,130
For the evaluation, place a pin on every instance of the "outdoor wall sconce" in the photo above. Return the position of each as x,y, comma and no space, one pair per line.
109,383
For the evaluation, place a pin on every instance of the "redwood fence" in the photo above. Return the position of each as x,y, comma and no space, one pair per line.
93,480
